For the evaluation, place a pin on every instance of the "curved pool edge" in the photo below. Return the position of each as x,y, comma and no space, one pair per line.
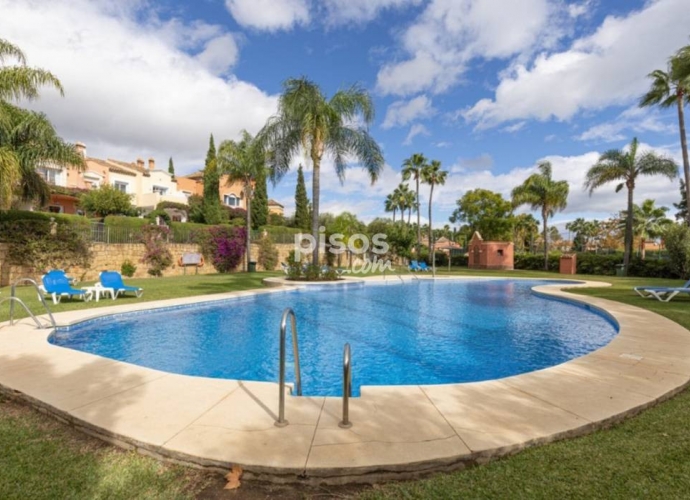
399,431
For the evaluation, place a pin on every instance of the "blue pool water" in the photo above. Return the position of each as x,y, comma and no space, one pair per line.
418,333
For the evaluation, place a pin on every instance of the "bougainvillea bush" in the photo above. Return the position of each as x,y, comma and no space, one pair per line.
222,246
157,257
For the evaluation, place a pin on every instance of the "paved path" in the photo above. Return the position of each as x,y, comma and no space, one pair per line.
398,430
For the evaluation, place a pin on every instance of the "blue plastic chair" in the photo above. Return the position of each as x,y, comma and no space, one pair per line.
414,266
57,284
423,266
113,279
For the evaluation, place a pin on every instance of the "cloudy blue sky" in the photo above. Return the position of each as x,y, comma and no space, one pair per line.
488,87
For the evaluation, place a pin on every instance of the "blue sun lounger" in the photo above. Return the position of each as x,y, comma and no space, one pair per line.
57,284
423,266
414,266
113,279
662,293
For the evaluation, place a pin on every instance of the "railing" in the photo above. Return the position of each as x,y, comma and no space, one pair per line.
13,298
281,422
347,388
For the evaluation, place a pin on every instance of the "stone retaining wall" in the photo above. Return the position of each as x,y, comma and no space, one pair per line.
111,256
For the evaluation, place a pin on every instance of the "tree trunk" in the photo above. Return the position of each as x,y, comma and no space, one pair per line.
316,184
419,227
684,149
545,218
643,250
248,194
409,217
628,232
393,216
432,246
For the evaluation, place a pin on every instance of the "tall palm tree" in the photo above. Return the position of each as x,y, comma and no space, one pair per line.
541,192
243,161
669,88
433,175
390,205
307,120
625,167
27,139
403,199
412,168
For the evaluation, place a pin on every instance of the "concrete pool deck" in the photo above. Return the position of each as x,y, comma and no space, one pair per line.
398,431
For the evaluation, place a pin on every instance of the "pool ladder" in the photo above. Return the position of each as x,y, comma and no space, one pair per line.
281,422
13,298
347,372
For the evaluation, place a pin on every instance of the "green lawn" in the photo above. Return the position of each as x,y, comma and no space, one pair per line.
645,457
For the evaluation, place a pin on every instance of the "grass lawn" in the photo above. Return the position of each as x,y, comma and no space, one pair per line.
645,457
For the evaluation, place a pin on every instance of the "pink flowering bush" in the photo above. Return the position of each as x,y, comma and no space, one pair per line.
157,257
223,246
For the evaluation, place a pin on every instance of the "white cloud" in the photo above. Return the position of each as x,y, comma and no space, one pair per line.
415,130
132,89
599,70
358,11
403,112
483,162
269,15
633,119
443,144
450,33
220,54
580,9
515,127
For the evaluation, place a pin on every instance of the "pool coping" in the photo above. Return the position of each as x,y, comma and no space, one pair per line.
398,431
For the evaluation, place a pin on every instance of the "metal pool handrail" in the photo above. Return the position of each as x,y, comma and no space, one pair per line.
347,387
14,298
281,422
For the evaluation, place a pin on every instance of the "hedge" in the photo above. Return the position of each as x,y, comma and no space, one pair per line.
78,221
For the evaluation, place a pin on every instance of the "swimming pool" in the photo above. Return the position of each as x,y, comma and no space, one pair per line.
420,332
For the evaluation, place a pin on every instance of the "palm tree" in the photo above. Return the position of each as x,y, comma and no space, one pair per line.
649,221
525,228
625,168
433,175
243,162
403,199
307,120
27,139
412,167
390,205
410,203
669,88
542,193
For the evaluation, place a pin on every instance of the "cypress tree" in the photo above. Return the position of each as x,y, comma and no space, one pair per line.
260,201
212,210
302,217
171,168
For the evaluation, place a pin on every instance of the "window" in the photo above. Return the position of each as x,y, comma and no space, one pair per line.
120,186
160,189
48,174
231,200
56,209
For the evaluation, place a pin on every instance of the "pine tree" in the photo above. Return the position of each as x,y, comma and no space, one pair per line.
260,202
171,168
213,213
302,218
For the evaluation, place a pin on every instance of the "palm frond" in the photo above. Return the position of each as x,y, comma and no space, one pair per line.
359,143
22,82
8,49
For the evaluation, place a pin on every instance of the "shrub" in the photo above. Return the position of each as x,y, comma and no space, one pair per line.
106,200
134,223
45,245
236,213
157,255
158,213
183,232
677,241
459,260
171,204
535,262
268,254
598,264
223,246
128,268
276,220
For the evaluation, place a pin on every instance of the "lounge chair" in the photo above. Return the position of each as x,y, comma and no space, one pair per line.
57,284
659,292
414,266
113,279
286,268
423,266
